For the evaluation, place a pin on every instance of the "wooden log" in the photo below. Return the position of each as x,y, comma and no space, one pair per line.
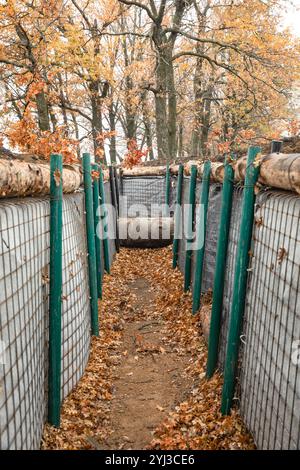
20,178
145,171
146,232
277,170
281,171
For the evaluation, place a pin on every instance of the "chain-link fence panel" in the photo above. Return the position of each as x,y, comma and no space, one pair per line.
270,373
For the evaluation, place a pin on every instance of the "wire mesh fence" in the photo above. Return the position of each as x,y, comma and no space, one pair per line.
112,223
144,196
76,320
212,231
230,270
270,375
182,240
268,385
24,303
24,228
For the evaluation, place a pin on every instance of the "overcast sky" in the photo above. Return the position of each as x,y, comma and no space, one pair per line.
293,17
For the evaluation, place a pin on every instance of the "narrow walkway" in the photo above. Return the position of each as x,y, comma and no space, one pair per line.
145,386
149,377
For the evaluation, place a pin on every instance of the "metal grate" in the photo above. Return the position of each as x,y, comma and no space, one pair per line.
270,377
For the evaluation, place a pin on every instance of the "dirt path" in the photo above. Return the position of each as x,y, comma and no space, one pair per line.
144,385
149,378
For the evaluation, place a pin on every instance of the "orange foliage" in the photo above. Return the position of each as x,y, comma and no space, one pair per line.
101,138
25,136
231,142
134,155
294,127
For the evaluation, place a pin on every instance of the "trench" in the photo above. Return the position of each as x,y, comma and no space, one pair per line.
144,386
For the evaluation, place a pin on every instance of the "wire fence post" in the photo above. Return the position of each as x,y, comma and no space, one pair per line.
190,226
104,222
201,229
178,217
219,276
90,232
240,280
54,378
95,183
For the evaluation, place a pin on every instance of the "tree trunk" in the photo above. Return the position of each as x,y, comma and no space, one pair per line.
96,120
172,106
205,121
147,126
161,111
42,110
180,141
63,103
112,126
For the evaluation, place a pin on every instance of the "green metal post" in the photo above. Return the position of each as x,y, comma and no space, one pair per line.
177,216
90,231
168,188
54,377
201,233
190,226
240,280
219,277
97,222
104,223
114,202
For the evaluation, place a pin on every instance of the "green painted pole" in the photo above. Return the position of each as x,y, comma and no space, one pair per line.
240,280
114,202
168,188
177,216
191,217
90,232
219,277
97,222
201,229
54,377
104,223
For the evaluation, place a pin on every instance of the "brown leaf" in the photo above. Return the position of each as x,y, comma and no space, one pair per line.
57,177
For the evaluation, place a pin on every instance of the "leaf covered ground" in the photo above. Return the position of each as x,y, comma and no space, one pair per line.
189,419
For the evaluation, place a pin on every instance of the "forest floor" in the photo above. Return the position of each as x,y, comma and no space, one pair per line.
144,385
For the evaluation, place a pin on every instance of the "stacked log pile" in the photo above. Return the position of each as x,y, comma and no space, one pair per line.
20,177
277,170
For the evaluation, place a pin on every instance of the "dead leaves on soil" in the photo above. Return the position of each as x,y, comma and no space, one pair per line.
196,423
